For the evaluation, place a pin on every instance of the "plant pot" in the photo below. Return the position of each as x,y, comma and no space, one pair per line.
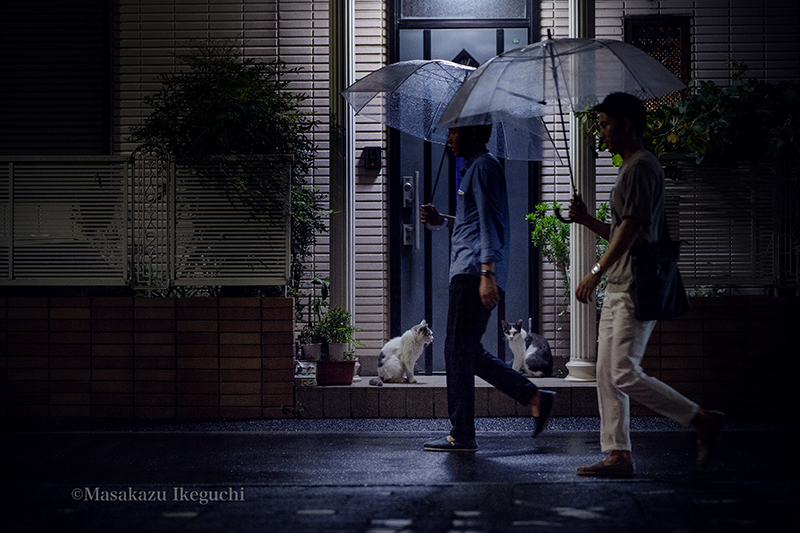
311,352
336,350
335,372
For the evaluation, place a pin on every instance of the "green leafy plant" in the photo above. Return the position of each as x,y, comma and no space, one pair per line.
336,326
713,124
220,103
551,237
309,307
308,222
310,334
748,119
706,291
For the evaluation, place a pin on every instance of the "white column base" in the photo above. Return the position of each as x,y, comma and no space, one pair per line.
581,370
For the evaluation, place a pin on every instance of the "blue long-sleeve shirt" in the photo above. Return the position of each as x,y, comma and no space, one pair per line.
481,231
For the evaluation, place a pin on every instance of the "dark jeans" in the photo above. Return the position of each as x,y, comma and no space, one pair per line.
466,358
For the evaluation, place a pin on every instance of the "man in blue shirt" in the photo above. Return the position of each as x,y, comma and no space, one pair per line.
478,272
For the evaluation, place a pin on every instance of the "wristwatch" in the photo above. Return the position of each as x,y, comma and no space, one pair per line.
487,273
597,269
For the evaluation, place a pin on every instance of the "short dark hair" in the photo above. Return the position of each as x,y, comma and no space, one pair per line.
624,106
483,132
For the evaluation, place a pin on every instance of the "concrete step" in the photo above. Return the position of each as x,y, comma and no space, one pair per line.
428,399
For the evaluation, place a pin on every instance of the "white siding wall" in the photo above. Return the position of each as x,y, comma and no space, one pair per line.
302,41
372,216
763,34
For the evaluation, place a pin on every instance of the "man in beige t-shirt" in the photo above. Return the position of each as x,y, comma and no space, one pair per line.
637,208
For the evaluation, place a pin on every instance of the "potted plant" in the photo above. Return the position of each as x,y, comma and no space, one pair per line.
339,333
337,365
221,103
311,337
310,342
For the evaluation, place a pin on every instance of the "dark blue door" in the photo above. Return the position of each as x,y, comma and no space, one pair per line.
420,258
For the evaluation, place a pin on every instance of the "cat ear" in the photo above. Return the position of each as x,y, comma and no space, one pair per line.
518,325
424,323
504,324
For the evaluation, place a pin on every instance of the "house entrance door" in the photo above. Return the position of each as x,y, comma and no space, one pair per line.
419,257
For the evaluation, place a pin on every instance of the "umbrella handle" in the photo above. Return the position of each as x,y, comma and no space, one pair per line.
557,212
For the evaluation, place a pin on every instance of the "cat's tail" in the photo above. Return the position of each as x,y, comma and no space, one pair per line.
377,382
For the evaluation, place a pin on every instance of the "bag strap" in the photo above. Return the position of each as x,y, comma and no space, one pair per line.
665,236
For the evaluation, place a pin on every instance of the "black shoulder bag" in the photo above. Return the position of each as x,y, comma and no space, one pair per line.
657,290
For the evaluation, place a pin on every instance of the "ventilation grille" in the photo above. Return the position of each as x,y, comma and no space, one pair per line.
665,39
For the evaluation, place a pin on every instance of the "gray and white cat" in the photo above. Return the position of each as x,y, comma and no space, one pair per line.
398,356
532,355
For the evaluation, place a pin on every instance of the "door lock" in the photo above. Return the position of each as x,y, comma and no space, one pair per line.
408,191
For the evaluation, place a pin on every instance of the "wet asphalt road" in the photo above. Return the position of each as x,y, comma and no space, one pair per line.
372,475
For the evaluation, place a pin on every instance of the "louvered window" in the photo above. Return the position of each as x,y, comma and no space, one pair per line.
728,220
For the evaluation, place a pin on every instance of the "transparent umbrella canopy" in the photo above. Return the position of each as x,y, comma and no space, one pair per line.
409,96
555,75
575,74
412,95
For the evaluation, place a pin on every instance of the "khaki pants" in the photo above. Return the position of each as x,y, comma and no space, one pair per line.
622,340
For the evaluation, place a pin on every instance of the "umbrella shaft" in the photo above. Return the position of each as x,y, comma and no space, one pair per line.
435,183
561,115
569,159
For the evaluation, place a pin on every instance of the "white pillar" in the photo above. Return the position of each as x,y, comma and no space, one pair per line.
583,318
342,150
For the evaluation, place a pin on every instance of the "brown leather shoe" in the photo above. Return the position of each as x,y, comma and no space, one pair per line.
708,439
601,469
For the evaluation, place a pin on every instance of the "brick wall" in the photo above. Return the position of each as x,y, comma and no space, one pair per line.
146,357
737,354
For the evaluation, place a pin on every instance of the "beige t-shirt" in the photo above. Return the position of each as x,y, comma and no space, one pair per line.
638,193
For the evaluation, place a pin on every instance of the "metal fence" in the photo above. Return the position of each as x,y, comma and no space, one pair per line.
144,221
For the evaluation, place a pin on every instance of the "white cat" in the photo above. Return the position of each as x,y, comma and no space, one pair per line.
532,355
398,356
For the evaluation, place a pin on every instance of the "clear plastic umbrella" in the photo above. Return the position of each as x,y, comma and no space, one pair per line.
575,73
412,95
556,74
